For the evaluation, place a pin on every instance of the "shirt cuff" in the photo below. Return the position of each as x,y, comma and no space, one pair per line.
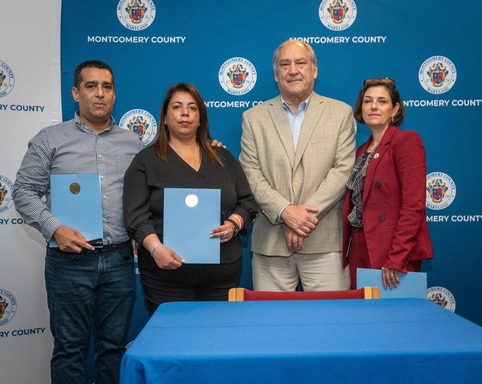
50,226
279,220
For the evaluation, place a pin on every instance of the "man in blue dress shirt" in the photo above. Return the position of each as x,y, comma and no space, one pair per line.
86,287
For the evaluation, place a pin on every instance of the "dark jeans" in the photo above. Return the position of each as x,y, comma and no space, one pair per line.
89,290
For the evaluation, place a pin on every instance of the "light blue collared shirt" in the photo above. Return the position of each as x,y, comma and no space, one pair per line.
295,119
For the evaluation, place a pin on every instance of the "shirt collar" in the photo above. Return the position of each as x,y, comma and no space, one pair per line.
85,128
302,107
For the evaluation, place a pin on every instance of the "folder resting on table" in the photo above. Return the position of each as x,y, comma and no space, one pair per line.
412,284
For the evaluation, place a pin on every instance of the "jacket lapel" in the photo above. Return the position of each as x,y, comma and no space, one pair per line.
281,125
310,123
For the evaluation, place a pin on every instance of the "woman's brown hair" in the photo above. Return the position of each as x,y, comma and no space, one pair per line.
203,136
389,84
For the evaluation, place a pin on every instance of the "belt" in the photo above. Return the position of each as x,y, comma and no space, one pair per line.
108,247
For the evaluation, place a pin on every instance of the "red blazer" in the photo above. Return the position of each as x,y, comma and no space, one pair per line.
394,218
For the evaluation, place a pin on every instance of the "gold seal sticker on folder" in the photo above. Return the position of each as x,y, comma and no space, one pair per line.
74,188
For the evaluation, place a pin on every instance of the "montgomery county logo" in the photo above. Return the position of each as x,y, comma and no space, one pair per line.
437,74
136,15
441,296
7,79
237,76
440,189
8,306
6,188
337,15
140,122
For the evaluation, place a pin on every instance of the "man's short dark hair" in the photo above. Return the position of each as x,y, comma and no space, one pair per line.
90,64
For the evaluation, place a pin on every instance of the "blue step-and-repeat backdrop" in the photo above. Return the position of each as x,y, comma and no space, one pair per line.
225,49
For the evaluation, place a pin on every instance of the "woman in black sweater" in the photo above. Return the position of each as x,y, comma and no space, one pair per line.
183,157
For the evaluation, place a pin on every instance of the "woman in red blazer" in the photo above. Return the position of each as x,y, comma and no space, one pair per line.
384,222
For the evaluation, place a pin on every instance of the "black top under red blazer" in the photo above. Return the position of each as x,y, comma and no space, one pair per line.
394,218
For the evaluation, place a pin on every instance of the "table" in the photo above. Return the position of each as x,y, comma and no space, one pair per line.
325,341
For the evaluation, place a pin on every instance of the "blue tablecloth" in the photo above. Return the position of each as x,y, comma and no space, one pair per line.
325,341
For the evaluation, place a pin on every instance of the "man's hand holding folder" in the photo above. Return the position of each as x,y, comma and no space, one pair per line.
70,240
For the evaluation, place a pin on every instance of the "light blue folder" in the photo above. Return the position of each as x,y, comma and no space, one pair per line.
76,200
412,284
189,216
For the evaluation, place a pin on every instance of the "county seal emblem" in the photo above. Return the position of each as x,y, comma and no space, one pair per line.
337,9
136,11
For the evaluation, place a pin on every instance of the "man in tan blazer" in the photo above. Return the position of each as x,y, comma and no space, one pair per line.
297,151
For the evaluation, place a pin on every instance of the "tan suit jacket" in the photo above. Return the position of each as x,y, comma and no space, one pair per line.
315,174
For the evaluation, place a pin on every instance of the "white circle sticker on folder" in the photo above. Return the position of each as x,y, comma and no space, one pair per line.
191,200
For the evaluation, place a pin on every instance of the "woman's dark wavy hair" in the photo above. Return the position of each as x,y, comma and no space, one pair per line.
394,96
203,137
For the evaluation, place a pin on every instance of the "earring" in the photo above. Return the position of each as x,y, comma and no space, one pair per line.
392,119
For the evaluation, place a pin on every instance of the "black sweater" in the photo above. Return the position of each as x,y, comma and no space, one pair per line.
147,176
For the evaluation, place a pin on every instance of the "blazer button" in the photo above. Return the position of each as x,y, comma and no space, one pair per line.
382,218
378,184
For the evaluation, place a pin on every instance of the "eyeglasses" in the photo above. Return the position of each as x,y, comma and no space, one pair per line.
382,79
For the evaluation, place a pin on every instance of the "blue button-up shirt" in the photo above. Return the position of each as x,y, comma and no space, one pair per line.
72,147
295,119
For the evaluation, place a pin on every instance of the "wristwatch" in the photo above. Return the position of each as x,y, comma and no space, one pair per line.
236,226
